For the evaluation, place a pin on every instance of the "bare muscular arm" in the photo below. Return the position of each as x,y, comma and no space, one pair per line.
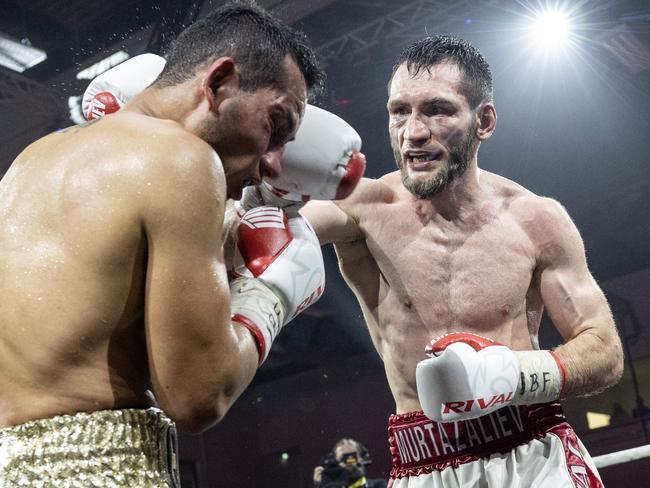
199,362
592,354
330,223
338,221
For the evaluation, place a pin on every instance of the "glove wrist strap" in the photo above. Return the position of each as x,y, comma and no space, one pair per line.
257,308
541,377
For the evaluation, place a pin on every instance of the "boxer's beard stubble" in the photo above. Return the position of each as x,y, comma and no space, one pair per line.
459,154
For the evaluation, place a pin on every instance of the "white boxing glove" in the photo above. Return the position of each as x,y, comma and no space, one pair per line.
113,88
467,376
323,162
278,271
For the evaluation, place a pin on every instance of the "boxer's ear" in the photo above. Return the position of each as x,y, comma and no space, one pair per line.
487,120
220,77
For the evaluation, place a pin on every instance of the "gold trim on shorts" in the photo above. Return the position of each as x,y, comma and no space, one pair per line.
108,448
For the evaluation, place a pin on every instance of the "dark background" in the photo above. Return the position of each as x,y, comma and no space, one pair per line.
573,125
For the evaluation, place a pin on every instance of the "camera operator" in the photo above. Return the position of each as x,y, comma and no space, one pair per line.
344,467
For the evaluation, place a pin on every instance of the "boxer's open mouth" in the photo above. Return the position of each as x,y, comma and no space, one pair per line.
422,160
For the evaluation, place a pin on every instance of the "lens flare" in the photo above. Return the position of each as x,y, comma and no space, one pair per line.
551,29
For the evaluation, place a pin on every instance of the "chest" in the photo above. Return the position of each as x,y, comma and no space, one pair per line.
480,272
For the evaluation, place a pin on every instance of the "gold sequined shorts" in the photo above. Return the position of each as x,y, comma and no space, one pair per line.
109,448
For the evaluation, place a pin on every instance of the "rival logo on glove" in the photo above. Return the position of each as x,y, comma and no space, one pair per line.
491,376
466,406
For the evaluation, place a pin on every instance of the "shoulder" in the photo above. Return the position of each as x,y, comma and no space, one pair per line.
523,205
165,154
160,166
390,186
544,220
163,141
371,191
342,220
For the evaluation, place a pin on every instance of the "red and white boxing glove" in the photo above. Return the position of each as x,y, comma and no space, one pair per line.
279,272
113,88
323,162
467,376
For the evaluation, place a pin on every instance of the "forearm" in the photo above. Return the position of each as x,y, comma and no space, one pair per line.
593,360
239,362
203,387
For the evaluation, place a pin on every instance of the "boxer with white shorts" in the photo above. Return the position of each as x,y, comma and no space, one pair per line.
441,246
513,447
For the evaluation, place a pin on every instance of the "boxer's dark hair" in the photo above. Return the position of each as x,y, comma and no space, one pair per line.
256,41
430,51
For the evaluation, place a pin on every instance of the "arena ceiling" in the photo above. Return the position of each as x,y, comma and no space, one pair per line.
576,131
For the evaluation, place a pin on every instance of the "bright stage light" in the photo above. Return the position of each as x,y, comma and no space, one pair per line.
19,55
551,29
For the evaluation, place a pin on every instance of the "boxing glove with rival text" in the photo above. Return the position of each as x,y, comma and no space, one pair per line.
467,376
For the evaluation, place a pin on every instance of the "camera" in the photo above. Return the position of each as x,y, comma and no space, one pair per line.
344,473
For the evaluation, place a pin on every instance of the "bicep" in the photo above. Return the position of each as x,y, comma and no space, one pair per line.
573,299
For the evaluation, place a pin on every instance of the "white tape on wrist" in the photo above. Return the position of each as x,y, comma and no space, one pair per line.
541,377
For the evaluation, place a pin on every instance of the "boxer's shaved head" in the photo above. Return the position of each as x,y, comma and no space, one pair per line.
255,40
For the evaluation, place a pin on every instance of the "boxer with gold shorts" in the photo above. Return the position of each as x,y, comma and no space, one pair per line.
119,320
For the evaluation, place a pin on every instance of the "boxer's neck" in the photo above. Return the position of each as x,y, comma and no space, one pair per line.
459,200
182,103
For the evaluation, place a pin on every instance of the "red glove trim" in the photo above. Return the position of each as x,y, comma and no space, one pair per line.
436,346
561,368
263,235
353,173
255,332
103,103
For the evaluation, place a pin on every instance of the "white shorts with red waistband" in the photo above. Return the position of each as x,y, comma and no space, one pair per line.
525,446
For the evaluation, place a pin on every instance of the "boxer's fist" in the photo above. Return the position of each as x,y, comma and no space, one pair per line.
112,89
324,161
278,270
466,376
264,195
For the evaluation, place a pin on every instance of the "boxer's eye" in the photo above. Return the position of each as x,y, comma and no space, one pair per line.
399,111
438,107
279,133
